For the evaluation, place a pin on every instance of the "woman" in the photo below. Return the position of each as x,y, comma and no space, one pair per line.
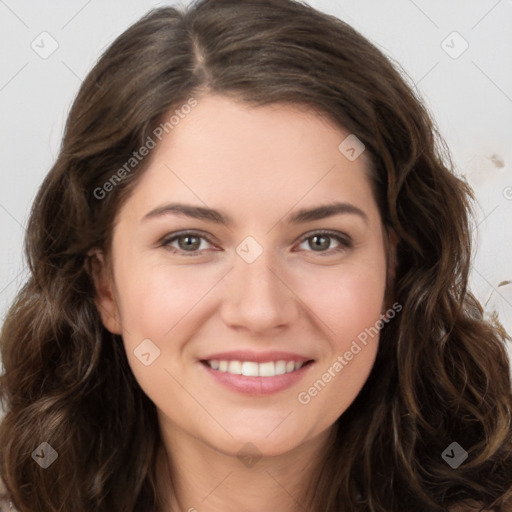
248,286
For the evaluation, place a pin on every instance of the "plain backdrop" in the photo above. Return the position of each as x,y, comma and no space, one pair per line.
457,54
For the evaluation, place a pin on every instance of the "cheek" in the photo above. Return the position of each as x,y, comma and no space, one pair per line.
349,303
157,303
154,298
347,299
360,301
164,304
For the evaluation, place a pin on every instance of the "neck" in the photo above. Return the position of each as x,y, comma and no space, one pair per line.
196,477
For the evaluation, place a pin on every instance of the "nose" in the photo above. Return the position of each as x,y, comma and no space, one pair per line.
258,297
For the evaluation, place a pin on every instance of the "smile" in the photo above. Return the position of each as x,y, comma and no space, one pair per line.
253,369
256,378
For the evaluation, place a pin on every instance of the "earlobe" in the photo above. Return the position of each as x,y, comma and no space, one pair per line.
104,297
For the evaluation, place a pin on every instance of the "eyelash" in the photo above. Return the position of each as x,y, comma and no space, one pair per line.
344,241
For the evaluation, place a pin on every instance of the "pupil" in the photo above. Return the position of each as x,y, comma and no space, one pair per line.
324,245
187,244
319,242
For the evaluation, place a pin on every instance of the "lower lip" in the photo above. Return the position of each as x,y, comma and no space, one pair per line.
257,386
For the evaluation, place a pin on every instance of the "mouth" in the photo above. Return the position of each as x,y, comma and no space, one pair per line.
257,378
255,369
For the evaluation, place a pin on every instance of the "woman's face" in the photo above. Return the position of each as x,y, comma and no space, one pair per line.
262,287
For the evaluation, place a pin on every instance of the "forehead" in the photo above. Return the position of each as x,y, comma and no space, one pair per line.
239,134
253,159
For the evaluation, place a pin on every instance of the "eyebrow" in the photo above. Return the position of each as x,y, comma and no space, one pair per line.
211,215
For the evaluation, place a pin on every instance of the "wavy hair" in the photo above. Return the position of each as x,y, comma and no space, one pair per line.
442,371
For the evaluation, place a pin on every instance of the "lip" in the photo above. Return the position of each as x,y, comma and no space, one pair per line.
257,386
257,357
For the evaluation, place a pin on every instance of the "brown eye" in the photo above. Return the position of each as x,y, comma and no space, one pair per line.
188,243
322,242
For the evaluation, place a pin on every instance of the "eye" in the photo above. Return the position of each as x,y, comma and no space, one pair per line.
321,242
188,243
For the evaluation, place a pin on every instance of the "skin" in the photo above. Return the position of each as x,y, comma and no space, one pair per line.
258,165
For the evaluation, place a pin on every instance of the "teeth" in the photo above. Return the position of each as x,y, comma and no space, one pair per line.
267,369
235,367
252,369
280,367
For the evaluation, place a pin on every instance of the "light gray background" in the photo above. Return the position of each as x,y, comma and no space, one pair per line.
470,97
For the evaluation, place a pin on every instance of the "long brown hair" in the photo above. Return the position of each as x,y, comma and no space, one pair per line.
441,373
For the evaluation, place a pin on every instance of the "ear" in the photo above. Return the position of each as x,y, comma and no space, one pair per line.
104,292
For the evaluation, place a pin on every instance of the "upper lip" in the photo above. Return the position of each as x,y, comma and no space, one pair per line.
257,357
